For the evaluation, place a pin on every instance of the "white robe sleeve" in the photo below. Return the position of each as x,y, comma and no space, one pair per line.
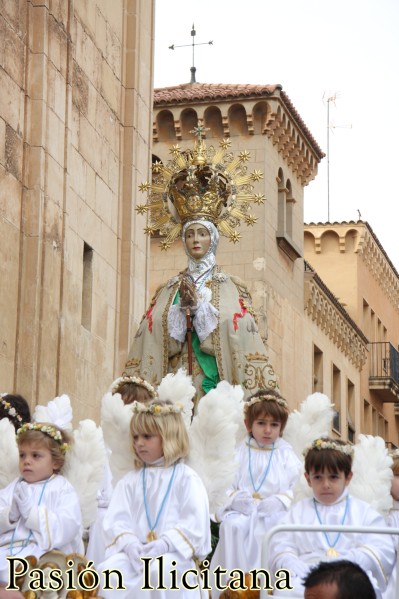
54,521
6,495
191,535
58,522
119,521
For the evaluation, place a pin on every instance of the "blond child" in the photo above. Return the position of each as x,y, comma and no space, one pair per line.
131,389
267,472
160,508
328,471
40,510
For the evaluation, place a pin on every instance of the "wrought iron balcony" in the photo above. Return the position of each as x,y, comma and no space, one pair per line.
384,371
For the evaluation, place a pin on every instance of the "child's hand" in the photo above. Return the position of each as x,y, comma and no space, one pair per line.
243,502
24,499
269,506
156,548
14,514
296,566
134,551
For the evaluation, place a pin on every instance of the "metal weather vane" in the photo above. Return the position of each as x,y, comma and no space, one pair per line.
193,44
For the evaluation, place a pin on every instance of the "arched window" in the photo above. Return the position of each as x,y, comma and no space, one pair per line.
213,122
189,120
286,217
237,120
166,126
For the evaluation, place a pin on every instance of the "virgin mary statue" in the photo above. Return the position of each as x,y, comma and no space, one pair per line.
201,319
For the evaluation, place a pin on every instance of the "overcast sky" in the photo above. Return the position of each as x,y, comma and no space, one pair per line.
314,49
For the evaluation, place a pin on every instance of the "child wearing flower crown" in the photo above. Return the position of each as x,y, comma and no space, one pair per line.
328,471
160,508
40,510
393,519
130,389
14,407
267,472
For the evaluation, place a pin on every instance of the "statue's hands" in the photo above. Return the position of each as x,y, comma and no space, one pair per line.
188,293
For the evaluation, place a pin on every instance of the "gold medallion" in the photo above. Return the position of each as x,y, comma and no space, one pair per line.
152,536
256,495
331,552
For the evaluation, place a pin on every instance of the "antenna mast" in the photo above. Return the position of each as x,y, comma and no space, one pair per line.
331,98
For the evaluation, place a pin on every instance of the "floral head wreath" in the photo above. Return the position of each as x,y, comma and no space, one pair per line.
156,408
321,444
117,384
280,400
11,411
46,429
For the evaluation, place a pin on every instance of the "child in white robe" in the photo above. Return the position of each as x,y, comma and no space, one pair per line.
131,389
40,510
393,521
159,509
263,489
14,407
328,471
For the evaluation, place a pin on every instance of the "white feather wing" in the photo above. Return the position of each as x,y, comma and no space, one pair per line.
115,422
9,452
178,388
58,411
213,440
84,467
312,420
372,473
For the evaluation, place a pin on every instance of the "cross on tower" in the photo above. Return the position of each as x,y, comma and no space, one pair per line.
193,44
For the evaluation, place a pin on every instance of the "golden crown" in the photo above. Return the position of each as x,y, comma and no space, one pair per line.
201,183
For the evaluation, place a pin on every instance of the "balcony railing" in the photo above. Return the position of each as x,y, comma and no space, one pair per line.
384,371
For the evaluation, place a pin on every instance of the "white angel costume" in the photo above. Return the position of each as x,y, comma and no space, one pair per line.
54,521
393,522
182,514
299,551
95,550
266,472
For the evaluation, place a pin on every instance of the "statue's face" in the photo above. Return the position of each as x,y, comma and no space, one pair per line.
198,240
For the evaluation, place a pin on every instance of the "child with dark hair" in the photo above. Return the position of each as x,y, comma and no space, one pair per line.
14,407
341,579
40,510
393,520
267,472
328,471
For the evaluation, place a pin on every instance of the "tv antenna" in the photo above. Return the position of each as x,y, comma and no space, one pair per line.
193,44
331,98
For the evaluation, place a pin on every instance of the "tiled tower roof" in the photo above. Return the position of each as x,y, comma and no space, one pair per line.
188,93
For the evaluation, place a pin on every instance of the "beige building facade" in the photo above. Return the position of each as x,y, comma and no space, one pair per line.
78,128
75,134
353,264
